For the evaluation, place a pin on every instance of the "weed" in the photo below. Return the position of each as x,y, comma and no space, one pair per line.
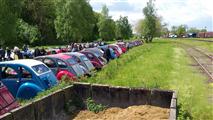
92,106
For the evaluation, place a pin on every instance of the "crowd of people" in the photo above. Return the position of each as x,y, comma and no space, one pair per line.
12,54
17,53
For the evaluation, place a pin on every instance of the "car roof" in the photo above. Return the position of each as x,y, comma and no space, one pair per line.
91,49
75,53
59,56
25,62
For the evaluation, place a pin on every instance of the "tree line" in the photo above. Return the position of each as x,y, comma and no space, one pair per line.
49,22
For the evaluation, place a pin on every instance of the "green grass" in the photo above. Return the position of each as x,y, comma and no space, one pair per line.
164,65
208,46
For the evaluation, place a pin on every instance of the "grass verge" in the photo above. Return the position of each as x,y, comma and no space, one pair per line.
164,65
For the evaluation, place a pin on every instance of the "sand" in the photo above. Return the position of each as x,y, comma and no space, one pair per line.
143,112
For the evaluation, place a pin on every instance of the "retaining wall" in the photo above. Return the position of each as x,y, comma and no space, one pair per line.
51,107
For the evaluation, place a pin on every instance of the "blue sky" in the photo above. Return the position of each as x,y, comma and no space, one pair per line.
194,13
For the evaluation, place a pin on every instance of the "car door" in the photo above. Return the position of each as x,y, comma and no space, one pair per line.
10,78
51,63
7,101
78,61
25,75
62,65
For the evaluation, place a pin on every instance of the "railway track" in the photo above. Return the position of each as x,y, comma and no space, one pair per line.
204,60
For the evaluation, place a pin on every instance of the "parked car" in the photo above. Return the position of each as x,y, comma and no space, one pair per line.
54,51
62,65
117,50
7,101
122,46
95,50
25,78
98,53
97,62
82,60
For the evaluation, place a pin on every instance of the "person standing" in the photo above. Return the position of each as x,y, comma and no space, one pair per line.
8,54
37,52
2,53
18,54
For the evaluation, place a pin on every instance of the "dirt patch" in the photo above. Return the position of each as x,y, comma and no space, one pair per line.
143,112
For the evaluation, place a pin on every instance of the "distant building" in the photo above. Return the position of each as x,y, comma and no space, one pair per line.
205,35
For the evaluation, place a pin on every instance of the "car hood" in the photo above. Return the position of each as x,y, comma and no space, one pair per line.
48,79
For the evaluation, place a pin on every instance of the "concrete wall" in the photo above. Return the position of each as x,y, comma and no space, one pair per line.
122,96
51,107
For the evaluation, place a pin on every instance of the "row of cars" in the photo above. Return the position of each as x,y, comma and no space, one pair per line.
24,79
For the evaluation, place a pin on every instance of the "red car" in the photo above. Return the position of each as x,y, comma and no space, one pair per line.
7,101
117,50
62,65
122,46
54,51
97,61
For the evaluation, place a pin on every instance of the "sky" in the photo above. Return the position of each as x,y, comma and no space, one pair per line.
194,13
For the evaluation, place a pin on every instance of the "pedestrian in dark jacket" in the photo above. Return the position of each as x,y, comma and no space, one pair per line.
107,54
43,52
2,54
8,54
37,52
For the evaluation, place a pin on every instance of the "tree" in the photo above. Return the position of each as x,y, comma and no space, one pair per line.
28,34
181,30
123,28
106,26
41,13
203,30
174,30
193,30
75,20
139,28
8,16
95,34
149,29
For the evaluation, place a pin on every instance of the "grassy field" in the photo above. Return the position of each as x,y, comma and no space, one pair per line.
199,38
161,64
208,46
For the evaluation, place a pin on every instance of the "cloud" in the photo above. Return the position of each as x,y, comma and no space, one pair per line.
174,12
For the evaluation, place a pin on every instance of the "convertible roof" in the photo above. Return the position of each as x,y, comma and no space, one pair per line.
61,56
75,54
26,62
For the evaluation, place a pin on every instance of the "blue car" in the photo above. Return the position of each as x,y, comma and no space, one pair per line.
26,78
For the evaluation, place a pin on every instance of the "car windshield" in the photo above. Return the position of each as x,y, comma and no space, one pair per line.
97,55
97,52
71,61
40,68
84,58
